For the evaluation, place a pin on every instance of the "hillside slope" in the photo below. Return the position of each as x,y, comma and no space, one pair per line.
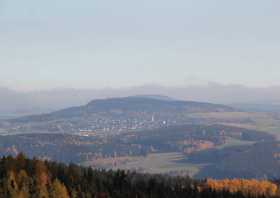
113,115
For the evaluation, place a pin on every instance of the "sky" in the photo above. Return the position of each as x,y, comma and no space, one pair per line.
124,43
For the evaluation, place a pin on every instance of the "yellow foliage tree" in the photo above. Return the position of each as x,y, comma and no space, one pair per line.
246,187
23,182
58,190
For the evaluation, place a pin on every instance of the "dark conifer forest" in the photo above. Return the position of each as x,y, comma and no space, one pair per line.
23,178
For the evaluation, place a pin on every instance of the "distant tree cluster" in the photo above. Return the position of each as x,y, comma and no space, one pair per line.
246,187
32,178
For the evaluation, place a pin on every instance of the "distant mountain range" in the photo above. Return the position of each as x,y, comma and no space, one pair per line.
14,103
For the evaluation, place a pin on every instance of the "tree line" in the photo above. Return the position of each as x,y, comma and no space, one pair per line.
33,178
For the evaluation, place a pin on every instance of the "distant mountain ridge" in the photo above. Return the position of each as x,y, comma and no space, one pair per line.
16,103
117,114
134,103
158,97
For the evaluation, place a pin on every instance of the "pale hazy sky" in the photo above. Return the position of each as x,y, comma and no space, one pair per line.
116,43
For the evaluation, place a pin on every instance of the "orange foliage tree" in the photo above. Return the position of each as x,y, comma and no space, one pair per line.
247,187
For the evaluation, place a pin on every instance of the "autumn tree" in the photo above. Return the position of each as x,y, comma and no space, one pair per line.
246,187
24,182
58,190
11,185
41,178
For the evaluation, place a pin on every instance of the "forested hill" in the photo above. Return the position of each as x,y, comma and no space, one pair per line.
24,178
112,115
123,106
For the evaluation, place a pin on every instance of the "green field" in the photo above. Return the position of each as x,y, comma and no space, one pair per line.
160,163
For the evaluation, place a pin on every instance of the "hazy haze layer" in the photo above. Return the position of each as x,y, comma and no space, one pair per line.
97,44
